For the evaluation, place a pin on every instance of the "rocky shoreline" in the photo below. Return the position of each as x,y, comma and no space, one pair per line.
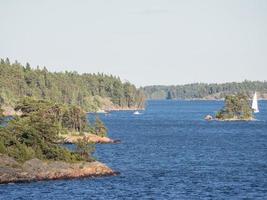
73,138
36,170
9,110
211,118
107,110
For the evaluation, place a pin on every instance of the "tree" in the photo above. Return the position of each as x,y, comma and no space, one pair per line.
17,81
100,128
28,67
74,118
202,90
236,107
128,94
7,61
1,116
34,135
169,95
85,148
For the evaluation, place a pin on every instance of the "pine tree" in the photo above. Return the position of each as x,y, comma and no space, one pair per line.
100,128
85,148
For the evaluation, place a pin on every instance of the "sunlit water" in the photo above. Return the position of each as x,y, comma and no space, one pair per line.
170,152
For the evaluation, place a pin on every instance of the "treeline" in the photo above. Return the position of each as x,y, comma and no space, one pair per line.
89,91
206,91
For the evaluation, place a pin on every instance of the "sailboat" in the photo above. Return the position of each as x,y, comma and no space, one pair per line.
255,104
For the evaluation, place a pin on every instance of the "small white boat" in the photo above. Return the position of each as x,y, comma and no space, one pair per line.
255,104
136,112
101,112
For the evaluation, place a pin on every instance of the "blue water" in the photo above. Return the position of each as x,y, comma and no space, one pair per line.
170,152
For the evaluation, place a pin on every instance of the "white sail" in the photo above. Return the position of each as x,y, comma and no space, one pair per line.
255,104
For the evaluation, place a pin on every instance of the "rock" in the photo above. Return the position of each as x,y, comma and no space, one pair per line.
100,111
70,139
116,141
35,170
9,111
208,118
8,161
233,119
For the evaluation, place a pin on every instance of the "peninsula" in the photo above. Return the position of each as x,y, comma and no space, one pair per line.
29,148
91,92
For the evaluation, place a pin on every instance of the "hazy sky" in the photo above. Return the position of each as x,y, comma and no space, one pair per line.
143,41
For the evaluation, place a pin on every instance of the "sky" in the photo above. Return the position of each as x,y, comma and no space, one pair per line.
147,42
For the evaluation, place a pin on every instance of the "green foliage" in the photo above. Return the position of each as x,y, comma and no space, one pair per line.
84,90
2,147
1,116
100,128
85,148
36,132
74,118
236,107
201,90
1,113
70,117
29,105
33,136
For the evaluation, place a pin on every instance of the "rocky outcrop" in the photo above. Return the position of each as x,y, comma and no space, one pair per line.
35,170
9,111
235,119
208,118
116,108
73,138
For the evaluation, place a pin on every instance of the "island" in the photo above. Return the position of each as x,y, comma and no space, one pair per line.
29,147
236,108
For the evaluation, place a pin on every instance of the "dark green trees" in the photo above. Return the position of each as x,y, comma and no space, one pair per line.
236,107
36,132
85,148
87,91
100,128
72,118
1,116
34,136
204,91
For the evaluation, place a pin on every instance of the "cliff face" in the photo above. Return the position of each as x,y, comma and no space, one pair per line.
35,170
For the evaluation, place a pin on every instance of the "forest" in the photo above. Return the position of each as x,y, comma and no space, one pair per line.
206,91
35,134
89,91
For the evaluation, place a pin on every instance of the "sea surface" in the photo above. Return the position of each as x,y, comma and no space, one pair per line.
170,152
